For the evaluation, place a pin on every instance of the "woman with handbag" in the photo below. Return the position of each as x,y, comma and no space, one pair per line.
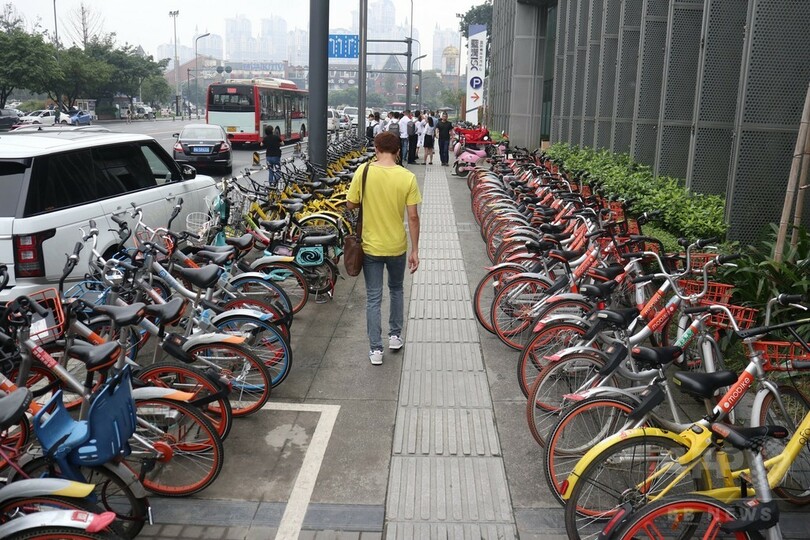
384,192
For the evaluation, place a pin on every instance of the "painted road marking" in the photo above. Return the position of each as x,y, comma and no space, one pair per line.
297,504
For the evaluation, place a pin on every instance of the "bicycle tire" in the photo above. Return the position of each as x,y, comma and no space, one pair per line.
321,278
546,397
291,279
512,309
628,463
277,317
194,446
578,428
264,290
171,374
264,340
61,533
249,379
683,518
486,290
13,508
552,338
795,487
15,438
111,492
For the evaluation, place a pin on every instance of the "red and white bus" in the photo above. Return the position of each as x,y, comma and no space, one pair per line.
243,107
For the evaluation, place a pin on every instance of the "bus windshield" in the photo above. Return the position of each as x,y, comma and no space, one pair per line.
231,98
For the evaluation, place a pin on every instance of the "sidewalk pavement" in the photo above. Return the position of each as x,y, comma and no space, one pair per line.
432,444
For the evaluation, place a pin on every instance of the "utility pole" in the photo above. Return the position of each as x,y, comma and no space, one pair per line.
362,66
173,15
197,73
318,77
56,38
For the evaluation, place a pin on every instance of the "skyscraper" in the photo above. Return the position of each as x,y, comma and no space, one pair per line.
274,39
443,38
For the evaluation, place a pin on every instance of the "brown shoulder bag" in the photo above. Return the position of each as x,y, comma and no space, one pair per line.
353,243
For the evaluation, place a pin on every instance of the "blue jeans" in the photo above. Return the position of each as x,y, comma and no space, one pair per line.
373,274
273,165
444,150
403,154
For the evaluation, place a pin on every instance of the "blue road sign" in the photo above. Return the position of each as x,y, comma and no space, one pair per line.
344,46
476,83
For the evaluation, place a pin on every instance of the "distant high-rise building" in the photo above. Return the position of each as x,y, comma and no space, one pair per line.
442,39
210,46
240,45
274,39
166,50
298,47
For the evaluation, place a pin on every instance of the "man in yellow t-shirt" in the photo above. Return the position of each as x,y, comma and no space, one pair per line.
389,191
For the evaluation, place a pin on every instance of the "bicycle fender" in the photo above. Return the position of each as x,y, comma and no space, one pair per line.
53,518
250,275
505,265
609,391
45,486
567,296
152,392
243,312
582,321
211,337
579,350
594,452
535,275
270,259
130,479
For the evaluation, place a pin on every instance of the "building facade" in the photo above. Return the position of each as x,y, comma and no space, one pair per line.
709,91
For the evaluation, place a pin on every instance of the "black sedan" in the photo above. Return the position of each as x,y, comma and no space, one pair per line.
203,145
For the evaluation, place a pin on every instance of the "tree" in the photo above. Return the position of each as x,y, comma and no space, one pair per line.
452,98
79,73
431,89
28,61
156,90
476,15
84,25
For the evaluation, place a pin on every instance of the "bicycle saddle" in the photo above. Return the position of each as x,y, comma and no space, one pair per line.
330,181
611,272
747,438
656,356
13,407
293,206
598,290
616,353
564,254
542,246
168,312
274,225
325,192
123,315
96,357
311,185
703,385
217,257
243,243
203,278
618,317
319,240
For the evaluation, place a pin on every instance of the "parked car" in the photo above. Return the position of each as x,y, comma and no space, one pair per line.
8,118
351,112
45,117
344,122
76,117
332,120
56,180
204,145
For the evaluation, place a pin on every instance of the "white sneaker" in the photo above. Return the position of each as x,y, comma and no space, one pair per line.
395,343
375,357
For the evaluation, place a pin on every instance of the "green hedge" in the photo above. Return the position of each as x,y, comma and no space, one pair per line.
683,213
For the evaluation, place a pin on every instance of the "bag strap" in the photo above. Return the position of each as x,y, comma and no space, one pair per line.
359,228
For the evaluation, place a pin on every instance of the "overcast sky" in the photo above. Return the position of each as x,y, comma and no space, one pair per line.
147,22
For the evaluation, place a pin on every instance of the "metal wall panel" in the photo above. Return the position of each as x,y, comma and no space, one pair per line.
626,70
684,22
592,60
608,62
773,85
580,54
723,33
559,62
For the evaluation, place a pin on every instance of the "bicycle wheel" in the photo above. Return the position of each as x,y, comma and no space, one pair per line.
512,310
264,340
578,429
552,338
629,471
795,487
169,374
15,508
112,493
14,439
321,278
277,318
267,291
192,452
689,516
291,279
249,379
557,380
486,290
61,533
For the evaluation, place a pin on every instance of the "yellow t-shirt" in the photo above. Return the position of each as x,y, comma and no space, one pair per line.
388,191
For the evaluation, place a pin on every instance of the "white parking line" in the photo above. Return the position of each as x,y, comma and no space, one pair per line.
296,510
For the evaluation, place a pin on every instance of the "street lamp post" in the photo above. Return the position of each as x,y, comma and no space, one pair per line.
173,15
415,60
409,75
197,74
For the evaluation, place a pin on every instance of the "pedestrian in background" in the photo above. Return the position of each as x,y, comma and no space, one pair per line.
420,133
430,129
388,192
272,146
379,127
413,136
403,136
443,130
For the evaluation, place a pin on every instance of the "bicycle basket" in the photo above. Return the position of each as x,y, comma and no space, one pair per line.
779,355
95,441
49,328
716,293
92,292
199,223
745,317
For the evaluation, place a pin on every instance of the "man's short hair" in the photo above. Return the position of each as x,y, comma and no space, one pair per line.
387,142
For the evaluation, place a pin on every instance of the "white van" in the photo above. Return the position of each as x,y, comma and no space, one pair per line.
57,180
332,120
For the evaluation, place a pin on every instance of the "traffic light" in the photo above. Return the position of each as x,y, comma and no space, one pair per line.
416,90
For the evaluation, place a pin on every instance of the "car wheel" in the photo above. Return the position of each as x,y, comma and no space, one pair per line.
63,122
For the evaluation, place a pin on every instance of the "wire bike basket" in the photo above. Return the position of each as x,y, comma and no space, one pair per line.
49,328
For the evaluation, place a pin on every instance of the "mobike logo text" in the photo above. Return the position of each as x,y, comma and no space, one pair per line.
737,391
804,436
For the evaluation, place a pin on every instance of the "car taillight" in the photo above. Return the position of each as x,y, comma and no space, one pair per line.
28,259
225,147
178,147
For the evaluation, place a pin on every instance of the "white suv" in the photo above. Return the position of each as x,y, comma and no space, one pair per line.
55,181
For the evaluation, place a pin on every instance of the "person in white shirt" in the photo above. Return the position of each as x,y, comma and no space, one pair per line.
420,133
378,126
403,135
